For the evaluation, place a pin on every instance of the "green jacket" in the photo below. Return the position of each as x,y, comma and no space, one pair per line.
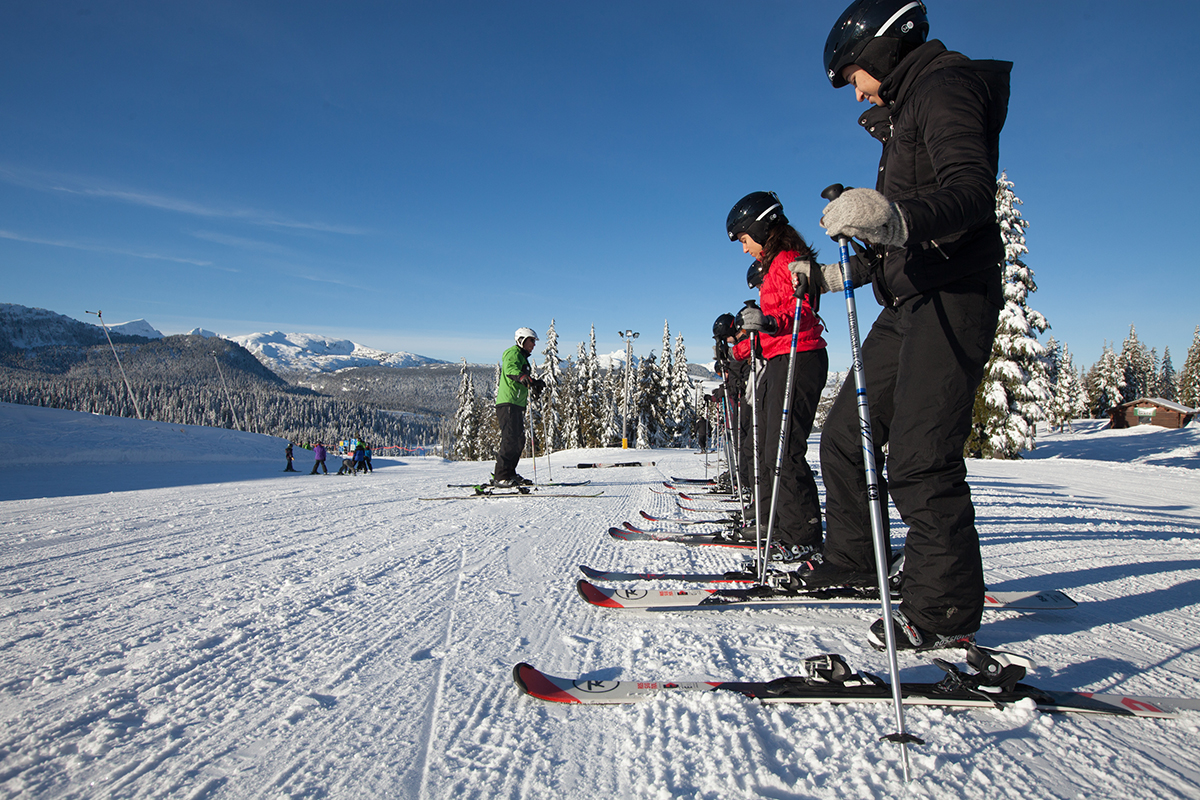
513,363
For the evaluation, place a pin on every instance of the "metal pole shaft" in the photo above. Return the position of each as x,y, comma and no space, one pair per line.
783,432
760,556
874,503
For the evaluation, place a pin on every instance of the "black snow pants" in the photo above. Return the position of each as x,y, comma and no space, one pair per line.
923,361
511,419
798,509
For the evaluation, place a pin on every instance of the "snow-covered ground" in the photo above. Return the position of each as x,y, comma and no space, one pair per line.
180,618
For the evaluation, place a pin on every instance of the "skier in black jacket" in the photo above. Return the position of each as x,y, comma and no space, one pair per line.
934,259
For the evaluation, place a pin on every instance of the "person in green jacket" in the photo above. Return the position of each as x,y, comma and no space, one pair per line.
512,395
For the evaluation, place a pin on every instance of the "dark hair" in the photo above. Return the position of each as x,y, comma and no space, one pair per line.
784,237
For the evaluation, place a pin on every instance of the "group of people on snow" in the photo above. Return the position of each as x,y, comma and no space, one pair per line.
933,254
354,461
931,250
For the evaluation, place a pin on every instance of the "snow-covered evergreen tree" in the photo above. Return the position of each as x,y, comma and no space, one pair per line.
1189,376
587,395
1052,358
1015,390
682,400
1137,368
1070,400
551,403
650,404
1105,380
467,420
572,426
668,429
1167,379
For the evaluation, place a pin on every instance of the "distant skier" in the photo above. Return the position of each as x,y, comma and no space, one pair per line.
360,457
934,258
702,430
288,452
757,222
367,457
512,395
319,459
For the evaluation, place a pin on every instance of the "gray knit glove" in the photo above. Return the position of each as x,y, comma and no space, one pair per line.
824,277
867,215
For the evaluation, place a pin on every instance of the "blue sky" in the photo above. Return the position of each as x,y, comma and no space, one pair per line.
429,177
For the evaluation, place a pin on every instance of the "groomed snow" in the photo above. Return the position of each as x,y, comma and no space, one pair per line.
180,618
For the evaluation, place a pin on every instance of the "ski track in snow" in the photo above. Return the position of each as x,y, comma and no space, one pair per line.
295,636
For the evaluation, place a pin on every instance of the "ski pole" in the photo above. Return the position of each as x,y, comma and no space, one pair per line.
546,445
733,419
874,501
759,555
529,434
783,427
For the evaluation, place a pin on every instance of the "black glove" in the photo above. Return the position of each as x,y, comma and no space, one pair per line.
752,318
538,385
721,352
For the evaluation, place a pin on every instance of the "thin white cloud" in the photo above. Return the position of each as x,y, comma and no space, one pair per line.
92,248
85,188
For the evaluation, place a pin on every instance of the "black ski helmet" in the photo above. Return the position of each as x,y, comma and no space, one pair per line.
755,214
875,35
756,273
724,327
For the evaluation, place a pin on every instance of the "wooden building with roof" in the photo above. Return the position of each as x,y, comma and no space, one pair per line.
1151,411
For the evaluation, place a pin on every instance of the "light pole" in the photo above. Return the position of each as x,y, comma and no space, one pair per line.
628,336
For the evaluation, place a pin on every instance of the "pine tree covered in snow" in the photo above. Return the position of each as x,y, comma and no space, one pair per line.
650,404
468,421
1105,380
588,383
1052,359
1137,368
1189,376
1015,389
668,428
682,401
550,405
1167,379
1070,399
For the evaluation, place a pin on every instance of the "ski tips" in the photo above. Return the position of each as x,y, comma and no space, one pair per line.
537,684
595,596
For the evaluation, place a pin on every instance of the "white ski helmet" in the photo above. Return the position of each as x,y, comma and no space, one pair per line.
523,334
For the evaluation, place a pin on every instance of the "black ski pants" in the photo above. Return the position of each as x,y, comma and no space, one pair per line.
798,509
511,420
923,361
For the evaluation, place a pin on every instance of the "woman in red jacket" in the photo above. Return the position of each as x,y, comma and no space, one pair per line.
757,221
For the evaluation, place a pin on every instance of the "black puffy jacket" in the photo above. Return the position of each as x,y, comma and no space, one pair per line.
941,148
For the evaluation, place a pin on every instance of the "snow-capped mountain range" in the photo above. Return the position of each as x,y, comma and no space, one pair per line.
23,327
310,352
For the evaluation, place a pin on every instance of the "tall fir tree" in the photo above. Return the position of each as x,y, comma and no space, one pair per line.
467,420
1070,400
1189,376
683,397
667,427
588,395
1015,390
1105,380
551,402
1137,368
1167,379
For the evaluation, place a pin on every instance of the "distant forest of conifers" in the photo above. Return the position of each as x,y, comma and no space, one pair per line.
192,380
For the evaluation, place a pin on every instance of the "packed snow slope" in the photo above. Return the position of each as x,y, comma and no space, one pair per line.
259,634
